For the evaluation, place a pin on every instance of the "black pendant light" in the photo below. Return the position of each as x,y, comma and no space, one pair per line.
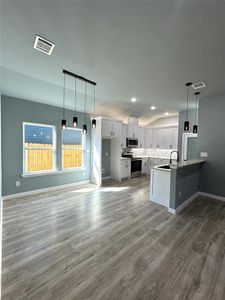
93,122
75,118
64,122
195,127
186,123
85,126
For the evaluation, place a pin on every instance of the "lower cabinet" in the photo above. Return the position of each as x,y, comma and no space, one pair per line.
145,166
125,168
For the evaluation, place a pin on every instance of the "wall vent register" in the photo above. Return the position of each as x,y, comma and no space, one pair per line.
198,85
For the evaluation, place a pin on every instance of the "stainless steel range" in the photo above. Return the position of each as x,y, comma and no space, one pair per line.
136,164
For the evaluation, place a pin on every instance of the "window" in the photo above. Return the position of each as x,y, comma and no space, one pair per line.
39,148
72,148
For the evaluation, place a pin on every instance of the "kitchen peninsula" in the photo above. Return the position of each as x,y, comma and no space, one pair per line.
180,184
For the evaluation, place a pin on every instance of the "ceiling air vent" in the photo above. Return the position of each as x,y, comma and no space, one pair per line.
198,85
43,45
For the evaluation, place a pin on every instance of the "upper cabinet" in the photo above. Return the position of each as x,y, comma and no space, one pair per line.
132,129
141,137
123,135
148,138
111,129
165,138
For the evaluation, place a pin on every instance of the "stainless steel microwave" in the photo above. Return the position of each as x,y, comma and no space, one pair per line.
132,143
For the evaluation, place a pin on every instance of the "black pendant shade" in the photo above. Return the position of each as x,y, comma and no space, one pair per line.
63,124
195,129
84,129
186,123
186,126
93,123
75,121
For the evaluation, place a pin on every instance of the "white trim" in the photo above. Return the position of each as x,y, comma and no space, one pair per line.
183,205
185,137
58,187
64,171
207,195
106,177
53,148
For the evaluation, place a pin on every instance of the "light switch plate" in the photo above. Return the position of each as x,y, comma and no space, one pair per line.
204,154
17,183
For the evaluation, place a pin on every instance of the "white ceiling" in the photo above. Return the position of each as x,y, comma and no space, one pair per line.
142,49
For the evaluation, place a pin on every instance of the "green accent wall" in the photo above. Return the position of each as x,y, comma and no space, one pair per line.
14,112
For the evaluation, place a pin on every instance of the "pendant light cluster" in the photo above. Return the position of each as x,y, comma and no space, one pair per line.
75,118
186,123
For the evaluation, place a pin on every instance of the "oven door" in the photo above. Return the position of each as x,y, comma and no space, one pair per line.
136,165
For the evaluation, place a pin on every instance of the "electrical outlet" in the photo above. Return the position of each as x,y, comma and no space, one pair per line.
83,173
204,154
17,183
103,171
106,154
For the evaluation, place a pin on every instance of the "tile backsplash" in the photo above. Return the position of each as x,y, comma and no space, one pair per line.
153,152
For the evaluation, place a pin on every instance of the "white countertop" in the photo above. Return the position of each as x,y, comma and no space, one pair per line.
125,158
181,164
151,156
187,163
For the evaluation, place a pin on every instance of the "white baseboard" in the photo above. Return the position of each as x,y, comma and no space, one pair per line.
50,189
207,195
183,205
106,177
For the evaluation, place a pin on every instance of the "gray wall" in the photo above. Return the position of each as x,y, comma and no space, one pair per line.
106,148
185,182
182,118
14,112
211,139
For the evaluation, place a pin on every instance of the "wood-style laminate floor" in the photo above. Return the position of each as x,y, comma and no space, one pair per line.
112,243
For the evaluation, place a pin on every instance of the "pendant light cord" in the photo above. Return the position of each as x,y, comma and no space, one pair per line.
94,101
85,102
187,104
64,95
75,96
196,101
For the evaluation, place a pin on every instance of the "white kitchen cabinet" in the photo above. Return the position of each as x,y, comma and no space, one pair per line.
125,168
111,129
116,129
123,135
148,138
141,137
132,129
145,166
160,178
157,139
165,138
175,137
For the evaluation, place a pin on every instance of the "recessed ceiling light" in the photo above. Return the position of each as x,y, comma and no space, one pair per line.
43,45
152,107
133,99
166,113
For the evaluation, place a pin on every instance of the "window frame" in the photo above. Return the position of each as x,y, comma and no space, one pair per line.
25,173
72,148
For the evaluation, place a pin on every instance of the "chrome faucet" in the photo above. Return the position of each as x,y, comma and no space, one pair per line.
178,157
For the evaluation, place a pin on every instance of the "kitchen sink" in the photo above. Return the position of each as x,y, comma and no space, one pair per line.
167,167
